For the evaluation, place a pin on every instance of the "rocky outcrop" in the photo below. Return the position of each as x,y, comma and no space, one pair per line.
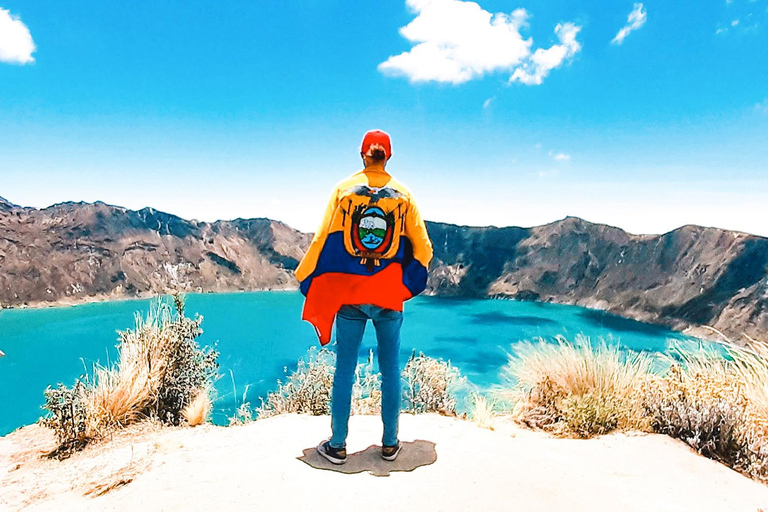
687,278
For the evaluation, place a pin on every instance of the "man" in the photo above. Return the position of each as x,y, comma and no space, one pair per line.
369,255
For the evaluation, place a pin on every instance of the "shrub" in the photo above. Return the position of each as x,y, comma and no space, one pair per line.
714,400
308,389
68,419
186,370
429,386
160,370
242,415
432,385
576,387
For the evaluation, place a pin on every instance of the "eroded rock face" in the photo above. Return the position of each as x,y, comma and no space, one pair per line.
689,277
77,250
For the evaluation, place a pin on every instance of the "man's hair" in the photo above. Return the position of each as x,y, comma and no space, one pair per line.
378,155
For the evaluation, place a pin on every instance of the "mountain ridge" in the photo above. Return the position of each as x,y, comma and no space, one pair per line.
687,278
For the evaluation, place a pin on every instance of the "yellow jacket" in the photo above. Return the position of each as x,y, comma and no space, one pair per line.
372,247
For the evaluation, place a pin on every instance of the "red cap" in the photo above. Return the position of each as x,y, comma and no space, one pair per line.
376,138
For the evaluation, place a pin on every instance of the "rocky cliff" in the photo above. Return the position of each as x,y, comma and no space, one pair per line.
686,278
71,251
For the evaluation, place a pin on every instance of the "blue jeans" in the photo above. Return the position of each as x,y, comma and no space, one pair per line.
350,326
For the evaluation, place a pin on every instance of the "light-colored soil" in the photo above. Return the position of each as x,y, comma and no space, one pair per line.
268,465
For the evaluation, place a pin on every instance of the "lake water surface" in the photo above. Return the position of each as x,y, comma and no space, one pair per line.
260,335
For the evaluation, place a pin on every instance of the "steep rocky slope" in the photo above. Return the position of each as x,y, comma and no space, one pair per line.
691,276
686,278
74,250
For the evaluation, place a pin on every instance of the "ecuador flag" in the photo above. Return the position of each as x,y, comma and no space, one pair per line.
372,248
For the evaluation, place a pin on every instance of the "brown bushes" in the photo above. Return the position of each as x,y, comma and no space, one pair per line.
576,387
429,385
714,399
160,372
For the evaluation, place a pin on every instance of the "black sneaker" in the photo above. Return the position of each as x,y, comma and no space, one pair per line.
335,455
390,452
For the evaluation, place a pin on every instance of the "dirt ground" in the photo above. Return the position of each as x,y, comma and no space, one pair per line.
447,464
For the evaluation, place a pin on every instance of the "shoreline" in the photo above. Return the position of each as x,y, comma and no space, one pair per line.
95,299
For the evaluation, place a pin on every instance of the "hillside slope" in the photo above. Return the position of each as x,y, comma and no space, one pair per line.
691,276
76,250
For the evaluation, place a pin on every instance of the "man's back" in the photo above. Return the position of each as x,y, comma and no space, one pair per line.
372,248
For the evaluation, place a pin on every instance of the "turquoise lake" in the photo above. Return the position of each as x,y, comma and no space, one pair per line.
260,336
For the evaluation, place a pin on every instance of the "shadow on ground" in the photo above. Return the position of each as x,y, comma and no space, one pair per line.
413,455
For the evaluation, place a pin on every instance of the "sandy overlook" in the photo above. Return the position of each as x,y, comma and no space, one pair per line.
256,466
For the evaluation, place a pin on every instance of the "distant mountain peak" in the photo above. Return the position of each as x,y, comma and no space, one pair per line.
6,204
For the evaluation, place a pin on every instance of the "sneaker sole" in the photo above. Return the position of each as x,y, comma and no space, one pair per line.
330,458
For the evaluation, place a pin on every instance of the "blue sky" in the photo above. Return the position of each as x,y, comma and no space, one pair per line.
502,113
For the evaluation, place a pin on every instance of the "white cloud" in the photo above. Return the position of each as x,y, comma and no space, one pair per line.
635,20
16,45
734,22
762,107
487,103
538,65
561,157
455,41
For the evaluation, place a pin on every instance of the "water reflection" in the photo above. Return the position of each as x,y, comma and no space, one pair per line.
497,317
464,340
618,323
443,302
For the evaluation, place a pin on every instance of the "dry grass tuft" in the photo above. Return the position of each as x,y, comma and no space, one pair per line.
113,481
197,411
483,411
713,397
244,413
118,397
575,387
100,489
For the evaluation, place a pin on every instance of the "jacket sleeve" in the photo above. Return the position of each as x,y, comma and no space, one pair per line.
309,261
416,231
